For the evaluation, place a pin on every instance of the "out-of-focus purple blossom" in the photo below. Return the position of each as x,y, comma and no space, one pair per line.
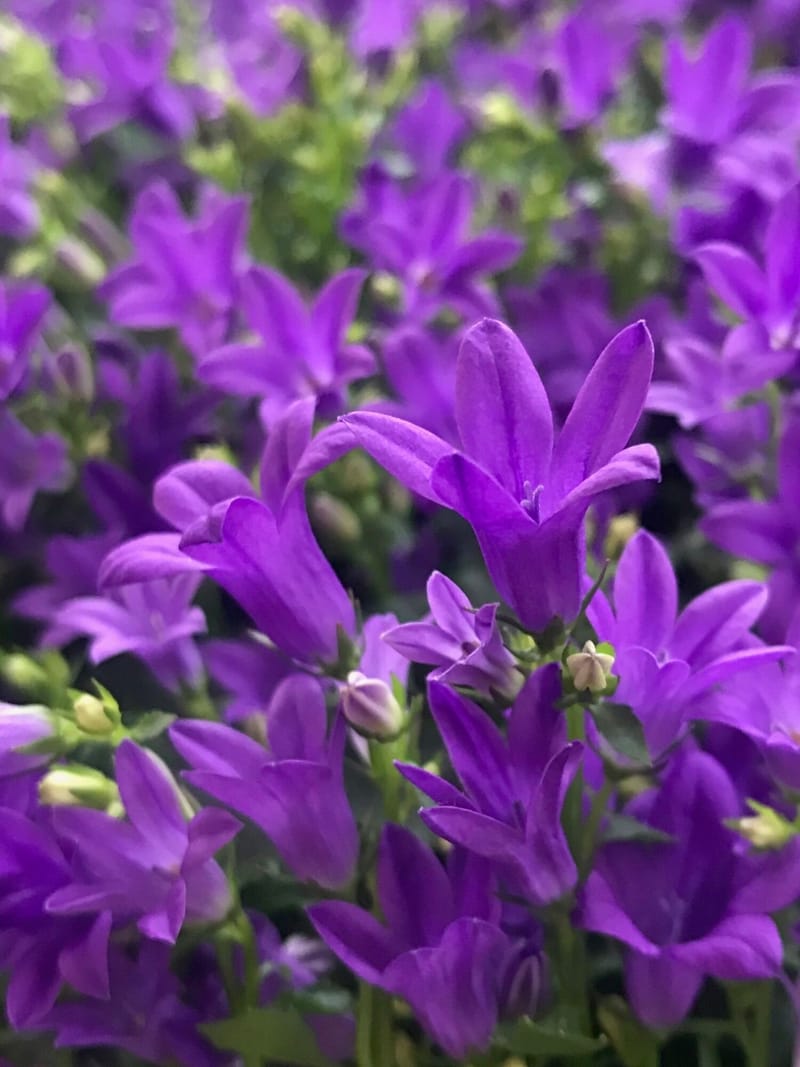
431,106
122,57
154,621
19,213
301,350
185,273
464,644
441,948
669,664
143,1013
249,671
524,493
294,791
31,463
692,907
21,726
768,298
565,319
420,366
419,235
22,309
767,531
155,868
514,790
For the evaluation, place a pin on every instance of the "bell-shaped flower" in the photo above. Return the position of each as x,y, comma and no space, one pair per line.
294,791
441,947
523,489
513,788
156,867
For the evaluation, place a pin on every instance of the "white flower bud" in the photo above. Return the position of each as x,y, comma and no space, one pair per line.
91,715
590,669
74,786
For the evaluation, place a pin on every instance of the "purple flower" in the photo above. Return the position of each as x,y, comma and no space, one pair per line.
42,951
155,868
510,809
143,1013
125,59
185,273
768,531
768,298
419,236
22,309
153,620
249,671
294,792
21,726
430,107
441,948
669,663
464,644
32,463
302,351
420,367
19,215
524,493
692,907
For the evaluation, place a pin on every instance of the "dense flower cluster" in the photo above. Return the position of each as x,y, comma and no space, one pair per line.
399,532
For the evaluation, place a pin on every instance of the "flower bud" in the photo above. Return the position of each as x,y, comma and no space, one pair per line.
371,708
91,715
767,829
589,668
73,786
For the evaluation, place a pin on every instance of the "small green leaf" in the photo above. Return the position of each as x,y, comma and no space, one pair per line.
626,828
268,1034
623,731
634,1044
150,725
548,1037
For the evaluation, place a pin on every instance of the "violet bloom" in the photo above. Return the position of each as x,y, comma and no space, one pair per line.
420,366
301,350
143,1012
155,868
419,235
565,318
430,107
669,663
524,493
22,308
249,671
464,644
706,380
442,948
19,214
41,951
21,726
768,532
294,791
154,621
184,273
125,60
31,463
693,907
265,65
513,791
767,298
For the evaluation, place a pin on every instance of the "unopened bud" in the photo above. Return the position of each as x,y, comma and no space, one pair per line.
767,829
91,715
336,518
23,672
590,669
371,708
77,786
620,530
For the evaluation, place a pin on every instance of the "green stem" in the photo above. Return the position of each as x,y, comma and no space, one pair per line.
596,813
573,803
759,1040
375,1034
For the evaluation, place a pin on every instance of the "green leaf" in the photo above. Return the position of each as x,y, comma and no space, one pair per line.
623,731
548,1037
268,1034
150,725
634,1044
626,828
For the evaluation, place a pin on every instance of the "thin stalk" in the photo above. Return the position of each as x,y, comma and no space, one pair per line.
596,813
759,1040
375,1032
